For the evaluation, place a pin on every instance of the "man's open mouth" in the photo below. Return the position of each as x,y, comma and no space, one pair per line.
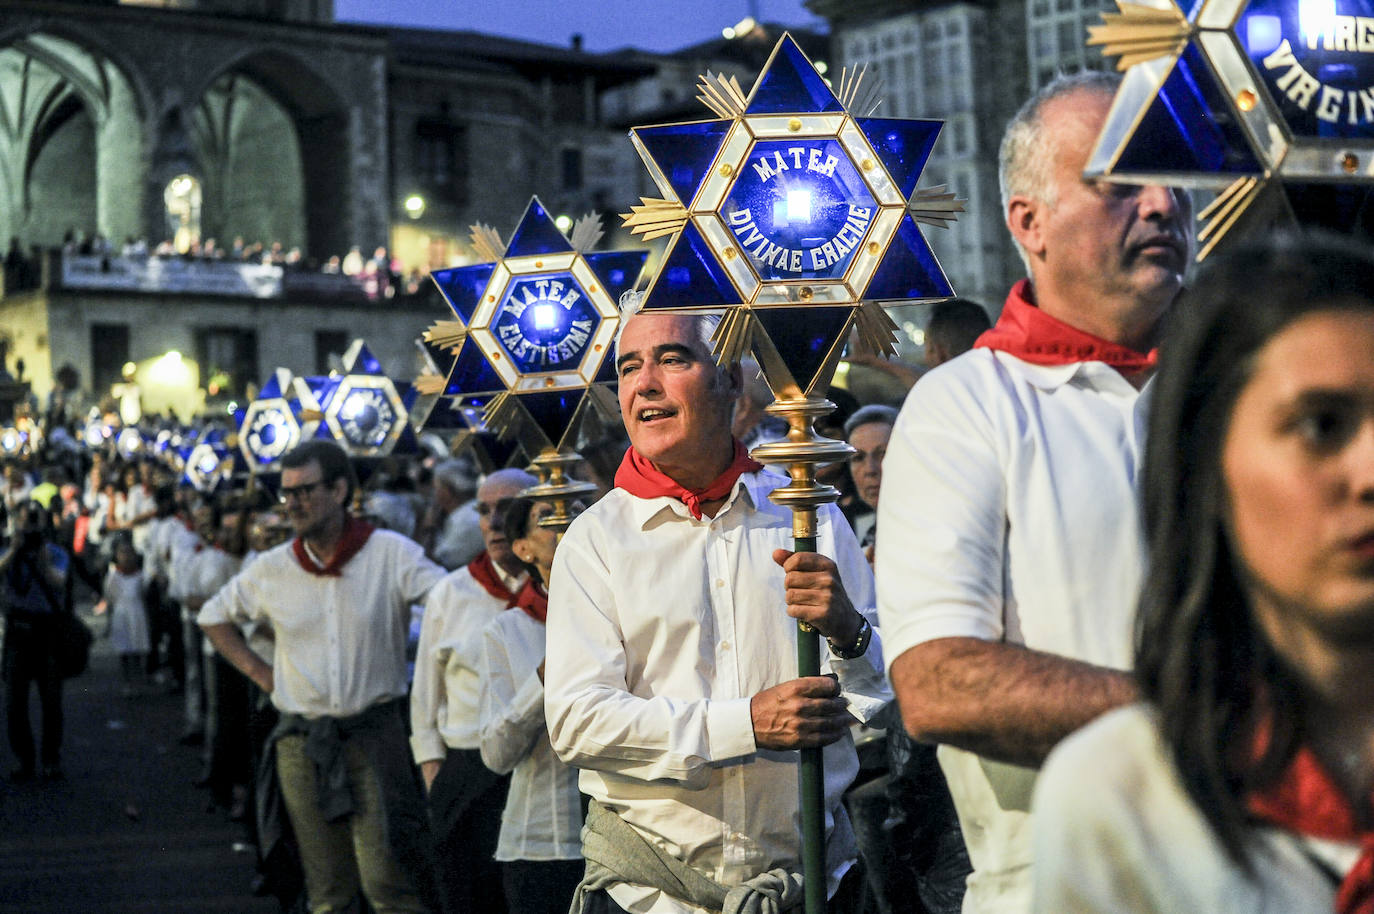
654,413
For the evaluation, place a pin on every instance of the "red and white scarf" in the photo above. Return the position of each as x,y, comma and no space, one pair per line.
354,538
639,477
1033,336
483,571
1307,801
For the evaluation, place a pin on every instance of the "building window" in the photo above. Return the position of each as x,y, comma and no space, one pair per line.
228,358
329,343
571,161
441,159
109,352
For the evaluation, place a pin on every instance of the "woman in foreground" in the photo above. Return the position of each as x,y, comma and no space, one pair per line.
1243,784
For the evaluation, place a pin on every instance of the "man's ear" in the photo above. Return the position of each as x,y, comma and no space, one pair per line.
1025,222
735,377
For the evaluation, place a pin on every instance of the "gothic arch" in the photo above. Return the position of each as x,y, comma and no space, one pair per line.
71,137
319,119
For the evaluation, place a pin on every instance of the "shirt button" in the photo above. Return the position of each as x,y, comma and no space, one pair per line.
720,582
725,645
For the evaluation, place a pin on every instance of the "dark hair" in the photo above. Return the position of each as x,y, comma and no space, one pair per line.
334,463
1200,658
515,524
955,324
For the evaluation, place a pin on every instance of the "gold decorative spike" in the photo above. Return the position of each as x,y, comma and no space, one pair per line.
857,96
933,206
447,335
722,95
586,232
1223,213
311,415
428,384
877,331
486,241
734,336
654,218
1139,33
502,415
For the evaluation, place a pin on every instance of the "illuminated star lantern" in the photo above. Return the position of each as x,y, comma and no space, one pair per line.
12,441
458,420
1269,102
209,465
534,326
794,197
129,443
270,426
364,411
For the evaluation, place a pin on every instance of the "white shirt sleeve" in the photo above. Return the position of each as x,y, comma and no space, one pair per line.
863,680
512,705
594,720
942,521
427,690
415,574
232,603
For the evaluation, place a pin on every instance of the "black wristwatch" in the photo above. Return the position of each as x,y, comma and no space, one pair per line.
858,646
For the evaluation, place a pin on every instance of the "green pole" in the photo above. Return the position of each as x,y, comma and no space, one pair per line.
812,770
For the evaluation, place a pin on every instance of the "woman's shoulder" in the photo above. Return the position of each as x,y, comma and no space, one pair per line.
1115,759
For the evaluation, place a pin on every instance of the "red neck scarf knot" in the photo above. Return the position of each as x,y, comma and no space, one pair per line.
354,538
1033,336
638,477
1307,801
483,571
534,600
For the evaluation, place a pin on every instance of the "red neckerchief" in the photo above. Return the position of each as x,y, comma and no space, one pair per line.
638,477
534,600
483,571
1306,801
354,538
1033,336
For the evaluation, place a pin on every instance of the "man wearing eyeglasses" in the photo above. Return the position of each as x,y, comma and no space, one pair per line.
338,599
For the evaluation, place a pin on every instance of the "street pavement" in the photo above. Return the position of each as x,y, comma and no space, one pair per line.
125,831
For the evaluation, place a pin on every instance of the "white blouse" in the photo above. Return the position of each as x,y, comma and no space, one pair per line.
543,815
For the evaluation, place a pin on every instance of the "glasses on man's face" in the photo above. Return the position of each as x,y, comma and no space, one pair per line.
493,509
286,493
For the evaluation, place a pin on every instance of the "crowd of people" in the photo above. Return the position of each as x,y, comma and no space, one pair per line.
380,275
1113,556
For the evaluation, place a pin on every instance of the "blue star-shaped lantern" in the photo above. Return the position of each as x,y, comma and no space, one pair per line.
1269,102
534,326
272,424
792,198
364,410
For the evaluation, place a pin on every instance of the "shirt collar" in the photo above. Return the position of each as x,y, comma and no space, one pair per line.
747,491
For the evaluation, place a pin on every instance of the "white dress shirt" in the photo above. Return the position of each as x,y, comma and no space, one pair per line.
662,628
182,543
159,542
1008,512
445,695
138,503
1115,831
340,641
209,570
543,815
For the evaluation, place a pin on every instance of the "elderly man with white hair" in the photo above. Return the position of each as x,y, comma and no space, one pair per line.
1010,562
458,539
671,676
466,799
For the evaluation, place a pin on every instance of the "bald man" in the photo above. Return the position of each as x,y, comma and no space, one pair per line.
465,798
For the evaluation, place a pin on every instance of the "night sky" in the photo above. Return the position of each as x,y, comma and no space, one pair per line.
658,25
